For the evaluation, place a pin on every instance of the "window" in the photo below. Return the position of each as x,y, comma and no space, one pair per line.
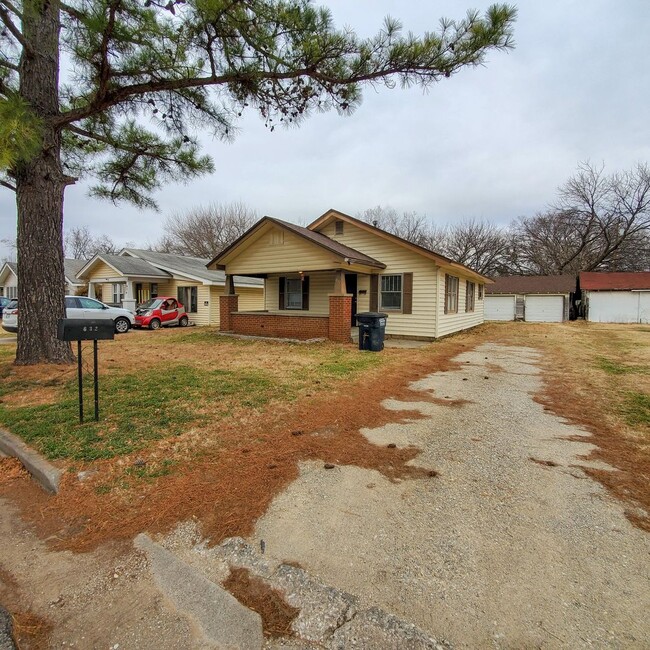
154,289
293,294
391,292
470,288
188,297
480,292
338,228
11,292
89,303
118,293
451,294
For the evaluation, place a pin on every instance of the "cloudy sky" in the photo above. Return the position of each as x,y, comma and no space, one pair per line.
491,142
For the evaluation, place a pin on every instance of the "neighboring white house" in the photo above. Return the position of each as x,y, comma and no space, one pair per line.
533,298
9,278
616,297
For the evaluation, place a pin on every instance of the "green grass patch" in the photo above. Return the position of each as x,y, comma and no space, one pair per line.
636,409
344,363
615,368
135,409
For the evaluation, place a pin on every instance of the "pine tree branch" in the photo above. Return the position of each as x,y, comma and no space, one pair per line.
9,186
17,34
8,64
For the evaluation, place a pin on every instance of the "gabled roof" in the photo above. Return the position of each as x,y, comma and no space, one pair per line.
9,267
316,238
532,284
439,259
125,266
71,269
194,268
592,281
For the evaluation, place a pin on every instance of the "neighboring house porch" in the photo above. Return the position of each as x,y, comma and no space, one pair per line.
134,276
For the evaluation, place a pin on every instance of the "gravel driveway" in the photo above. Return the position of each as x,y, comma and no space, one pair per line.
497,551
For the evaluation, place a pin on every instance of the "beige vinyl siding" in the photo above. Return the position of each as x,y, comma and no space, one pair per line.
450,323
101,271
321,285
293,254
422,320
250,299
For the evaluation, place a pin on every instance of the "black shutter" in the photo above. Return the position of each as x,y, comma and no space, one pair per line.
446,294
305,292
407,293
374,293
281,293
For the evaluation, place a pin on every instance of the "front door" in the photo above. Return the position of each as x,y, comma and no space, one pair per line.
351,287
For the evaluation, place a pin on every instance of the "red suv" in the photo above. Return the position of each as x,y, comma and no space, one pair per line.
161,312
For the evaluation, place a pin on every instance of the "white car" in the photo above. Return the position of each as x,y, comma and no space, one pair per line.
10,316
78,307
82,307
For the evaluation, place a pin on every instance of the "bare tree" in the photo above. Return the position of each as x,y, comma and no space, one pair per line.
411,226
599,222
479,244
81,245
205,231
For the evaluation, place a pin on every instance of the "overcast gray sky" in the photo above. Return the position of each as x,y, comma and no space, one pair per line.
491,142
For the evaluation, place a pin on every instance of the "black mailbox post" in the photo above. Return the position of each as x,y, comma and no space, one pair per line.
81,329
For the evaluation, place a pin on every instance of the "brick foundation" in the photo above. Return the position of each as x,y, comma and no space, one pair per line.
340,317
280,326
227,304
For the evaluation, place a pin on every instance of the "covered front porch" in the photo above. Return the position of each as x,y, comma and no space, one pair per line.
123,292
303,305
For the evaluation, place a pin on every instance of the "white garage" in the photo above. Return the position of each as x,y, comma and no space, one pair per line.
616,297
544,309
534,298
499,307
619,306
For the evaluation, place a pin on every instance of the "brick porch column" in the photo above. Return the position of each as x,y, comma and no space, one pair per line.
227,304
340,316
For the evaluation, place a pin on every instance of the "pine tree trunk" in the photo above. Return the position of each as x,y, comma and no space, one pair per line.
40,185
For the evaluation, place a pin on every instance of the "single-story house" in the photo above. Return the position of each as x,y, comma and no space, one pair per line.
316,280
134,276
616,297
9,278
533,298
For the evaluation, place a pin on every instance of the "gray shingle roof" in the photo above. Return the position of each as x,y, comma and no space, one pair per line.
71,269
133,266
192,267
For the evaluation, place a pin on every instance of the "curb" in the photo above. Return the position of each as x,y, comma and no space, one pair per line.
42,470
6,629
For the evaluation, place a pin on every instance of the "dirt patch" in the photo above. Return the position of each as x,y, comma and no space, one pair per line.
277,615
11,469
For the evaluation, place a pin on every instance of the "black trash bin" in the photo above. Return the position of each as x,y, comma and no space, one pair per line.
372,329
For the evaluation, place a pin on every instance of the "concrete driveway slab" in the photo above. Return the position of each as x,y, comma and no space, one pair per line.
497,550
